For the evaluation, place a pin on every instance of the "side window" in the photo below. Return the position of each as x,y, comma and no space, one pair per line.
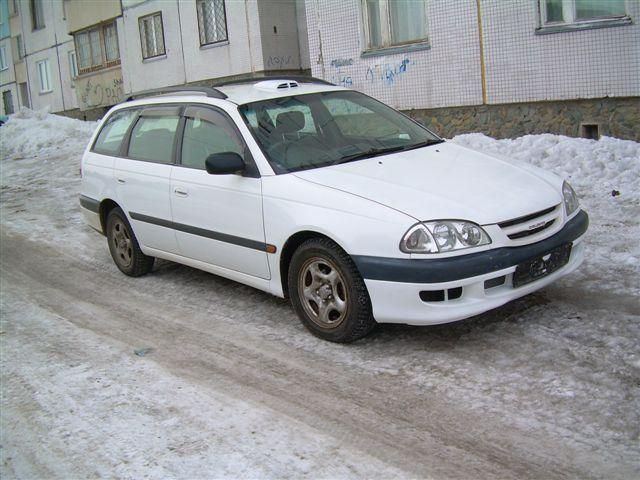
206,132
110,137
153,137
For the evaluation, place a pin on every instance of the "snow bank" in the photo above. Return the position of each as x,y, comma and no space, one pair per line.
30,133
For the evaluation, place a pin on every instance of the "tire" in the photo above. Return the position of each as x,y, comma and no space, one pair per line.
124,246
328,293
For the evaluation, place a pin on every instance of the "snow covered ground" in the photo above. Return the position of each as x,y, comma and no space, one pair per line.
547,386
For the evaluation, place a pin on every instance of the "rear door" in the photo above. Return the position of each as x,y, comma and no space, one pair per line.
218,218
143,177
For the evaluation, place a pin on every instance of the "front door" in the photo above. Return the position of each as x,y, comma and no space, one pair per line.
217,218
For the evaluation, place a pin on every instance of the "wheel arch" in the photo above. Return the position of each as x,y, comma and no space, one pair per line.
289,248
106,206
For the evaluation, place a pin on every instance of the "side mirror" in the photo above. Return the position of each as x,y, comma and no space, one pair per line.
224,163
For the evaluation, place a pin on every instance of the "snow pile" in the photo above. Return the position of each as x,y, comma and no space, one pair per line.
31,133
606,175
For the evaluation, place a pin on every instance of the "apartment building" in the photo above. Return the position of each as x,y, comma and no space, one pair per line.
36,56
503,67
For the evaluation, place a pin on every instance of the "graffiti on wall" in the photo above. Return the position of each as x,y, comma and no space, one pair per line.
388,73
338,74
278,61
100,90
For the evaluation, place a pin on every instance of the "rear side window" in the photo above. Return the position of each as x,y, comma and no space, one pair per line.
153,138
110,138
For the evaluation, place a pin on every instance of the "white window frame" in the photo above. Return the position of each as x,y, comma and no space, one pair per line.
3,58
570,21
73,65
44,75
144,23
385,29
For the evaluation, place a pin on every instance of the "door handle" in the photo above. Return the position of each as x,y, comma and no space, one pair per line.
180,192
121,180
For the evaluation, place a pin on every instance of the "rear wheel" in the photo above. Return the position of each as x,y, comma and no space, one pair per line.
124,246
328,292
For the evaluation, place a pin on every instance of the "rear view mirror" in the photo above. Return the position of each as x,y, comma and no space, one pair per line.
224,163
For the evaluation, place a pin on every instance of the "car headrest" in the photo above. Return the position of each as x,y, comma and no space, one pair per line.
290,122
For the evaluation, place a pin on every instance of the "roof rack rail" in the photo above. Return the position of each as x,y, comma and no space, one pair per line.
297,78
184,89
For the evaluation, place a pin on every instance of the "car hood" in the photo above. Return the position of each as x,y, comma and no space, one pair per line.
444,181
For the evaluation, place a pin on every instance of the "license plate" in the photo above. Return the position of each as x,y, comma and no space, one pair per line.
541,266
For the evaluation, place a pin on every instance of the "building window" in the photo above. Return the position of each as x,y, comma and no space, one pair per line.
3,58
559,12
212,21
73,65
37,14
14,8
24,94
44,76
151,35
97,48
7,101
389,23
19,48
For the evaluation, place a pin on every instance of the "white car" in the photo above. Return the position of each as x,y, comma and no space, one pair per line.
324,195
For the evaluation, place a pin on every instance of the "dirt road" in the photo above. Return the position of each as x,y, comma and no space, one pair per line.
323,409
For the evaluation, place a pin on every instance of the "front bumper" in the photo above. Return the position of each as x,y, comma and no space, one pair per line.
395,285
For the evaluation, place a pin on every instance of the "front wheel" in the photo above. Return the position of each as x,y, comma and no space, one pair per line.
328,292
124,246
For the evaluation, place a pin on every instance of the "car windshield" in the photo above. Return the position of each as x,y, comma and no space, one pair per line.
320,129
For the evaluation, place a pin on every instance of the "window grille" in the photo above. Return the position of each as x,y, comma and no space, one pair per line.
212,21
151,35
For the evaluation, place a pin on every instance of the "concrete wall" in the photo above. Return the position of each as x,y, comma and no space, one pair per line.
140,74
279,34
85,13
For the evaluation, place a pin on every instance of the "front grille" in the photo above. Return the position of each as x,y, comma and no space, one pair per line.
532,224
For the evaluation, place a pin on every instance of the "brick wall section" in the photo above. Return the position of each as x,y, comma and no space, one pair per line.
616,117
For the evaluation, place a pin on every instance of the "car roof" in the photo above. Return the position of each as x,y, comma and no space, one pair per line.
245,91
273,88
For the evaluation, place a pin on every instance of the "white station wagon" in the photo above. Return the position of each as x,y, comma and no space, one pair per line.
324,195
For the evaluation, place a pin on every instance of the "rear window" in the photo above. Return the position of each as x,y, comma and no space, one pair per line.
110,138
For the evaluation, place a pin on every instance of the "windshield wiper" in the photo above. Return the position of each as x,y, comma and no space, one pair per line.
367,154
423,144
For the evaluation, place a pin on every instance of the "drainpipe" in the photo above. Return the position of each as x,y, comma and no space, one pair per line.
483,75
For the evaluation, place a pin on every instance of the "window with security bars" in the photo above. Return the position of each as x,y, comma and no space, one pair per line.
389,23
212,21
97,48
151,35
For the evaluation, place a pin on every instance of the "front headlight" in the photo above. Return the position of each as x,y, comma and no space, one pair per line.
570,199
443,236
